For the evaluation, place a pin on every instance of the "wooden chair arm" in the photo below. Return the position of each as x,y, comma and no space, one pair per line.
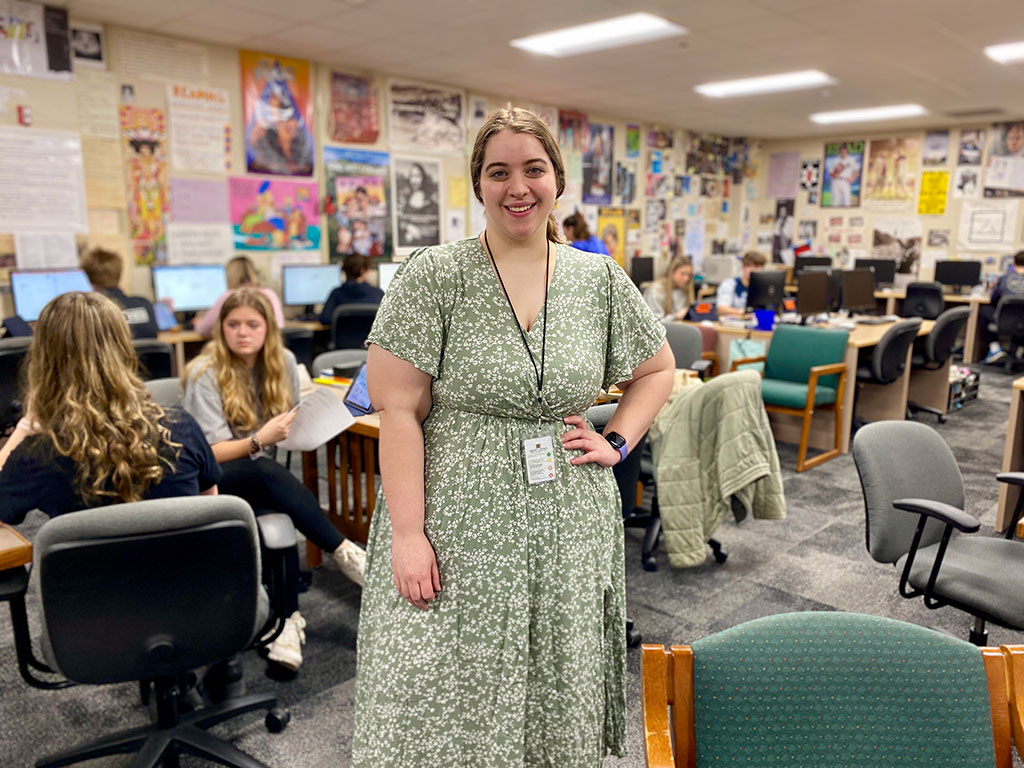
1020,535
817,372
657,696
713,357
746,361
1014,655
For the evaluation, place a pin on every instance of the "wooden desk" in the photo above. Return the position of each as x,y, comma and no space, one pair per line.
15,549
974,344
1013,455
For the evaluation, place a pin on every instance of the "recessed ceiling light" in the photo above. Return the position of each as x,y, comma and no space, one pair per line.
599,35
869,114
1005,53
787,81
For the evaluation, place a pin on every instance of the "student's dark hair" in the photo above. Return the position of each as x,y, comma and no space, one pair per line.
754,259
1018,259
580,230
354,265
102,267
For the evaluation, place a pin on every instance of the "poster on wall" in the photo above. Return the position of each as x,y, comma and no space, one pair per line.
200,134
1004,169
971,142
273,215
429,118
477,116
899,240
659,137
625,182
934,189
936,148
783,230
572,130
87,45
597,165
417,220
988,225
632,140
840,186
143,144
966,182
43,185
277,107
810,171
611,229
893,165
357,188
34,40
355,109
783,174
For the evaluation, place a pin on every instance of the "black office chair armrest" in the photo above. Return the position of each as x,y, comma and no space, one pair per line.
1013,478
277,531
945,513
13,585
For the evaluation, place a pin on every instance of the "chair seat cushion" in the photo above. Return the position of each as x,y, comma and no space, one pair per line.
982,572
789,394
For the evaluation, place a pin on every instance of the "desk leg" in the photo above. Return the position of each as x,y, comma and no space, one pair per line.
848,393
1013,460
179,358
890,305
311,479
973,343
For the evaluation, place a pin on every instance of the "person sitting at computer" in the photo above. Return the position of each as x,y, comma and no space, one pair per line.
355,290
104,271
576,231
1010,284
732,293
240,273
671,296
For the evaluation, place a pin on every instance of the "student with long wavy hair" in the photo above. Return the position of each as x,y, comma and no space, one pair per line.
242,391
671,297
240,273
92,435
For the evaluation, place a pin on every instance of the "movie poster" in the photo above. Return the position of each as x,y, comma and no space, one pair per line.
355,109
611,229
357,202
428,118
893,165
417,185
971,142
597,165
1004,169
143,142
277,106
840,184
573,132
273,215
936,148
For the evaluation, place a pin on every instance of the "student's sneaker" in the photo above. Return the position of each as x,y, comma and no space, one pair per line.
995,354
286,650
351,560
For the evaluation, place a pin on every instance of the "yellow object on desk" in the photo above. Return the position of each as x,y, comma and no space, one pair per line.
333,381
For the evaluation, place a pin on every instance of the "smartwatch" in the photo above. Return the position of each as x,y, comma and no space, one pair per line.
618,442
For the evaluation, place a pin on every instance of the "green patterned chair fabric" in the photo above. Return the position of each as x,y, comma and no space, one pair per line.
794,350
839,689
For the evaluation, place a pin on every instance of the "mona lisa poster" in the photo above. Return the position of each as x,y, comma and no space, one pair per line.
277,106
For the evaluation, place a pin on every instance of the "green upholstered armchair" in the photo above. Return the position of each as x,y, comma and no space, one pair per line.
804,370
830,689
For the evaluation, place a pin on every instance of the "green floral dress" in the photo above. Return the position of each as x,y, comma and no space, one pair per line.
520,661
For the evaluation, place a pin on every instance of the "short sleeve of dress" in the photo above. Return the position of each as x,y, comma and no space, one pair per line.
634,333
412,321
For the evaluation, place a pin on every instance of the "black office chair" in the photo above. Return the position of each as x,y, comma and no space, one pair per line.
915,519
350,325
149,591
300,342
687,345
887,360
933,350
13,350
156,359
924,300
1008,325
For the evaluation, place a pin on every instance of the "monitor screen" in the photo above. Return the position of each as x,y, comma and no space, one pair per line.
885,269
189,288
34,290
306,284
965,273
642,269
858,289
386,271
802,262
767,289
812,293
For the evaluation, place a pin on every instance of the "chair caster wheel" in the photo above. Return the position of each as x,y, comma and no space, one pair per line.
721,557
633,638
649,563
277,719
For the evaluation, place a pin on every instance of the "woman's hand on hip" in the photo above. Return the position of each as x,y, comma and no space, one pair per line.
414,566
276,430
595,448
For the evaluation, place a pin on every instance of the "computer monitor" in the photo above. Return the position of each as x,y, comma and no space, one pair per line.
884,269
960,274
718,268
859,290
189,287
641,269
33,290
386,273
812,293
803,262
767,289
303,285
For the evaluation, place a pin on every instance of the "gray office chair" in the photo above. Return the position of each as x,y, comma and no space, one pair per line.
933,350
149,591
156,358
167,392
350,325
887,360
1008,325
349,359
687,345
915,519
924,300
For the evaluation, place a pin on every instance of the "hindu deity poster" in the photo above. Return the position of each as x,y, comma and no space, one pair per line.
143,140
272,215
277,104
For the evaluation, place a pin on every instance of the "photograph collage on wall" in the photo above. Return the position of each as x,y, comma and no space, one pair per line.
417,189
277,106
357,202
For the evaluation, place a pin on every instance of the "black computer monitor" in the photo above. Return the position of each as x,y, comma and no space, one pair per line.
189,287
858,290
641,269
960,274
767,289
835,289
304,285
803,262
34,289
812,293
884,269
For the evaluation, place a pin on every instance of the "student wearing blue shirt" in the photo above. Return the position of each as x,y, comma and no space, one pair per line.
732,294
578,234
1010,284
355,290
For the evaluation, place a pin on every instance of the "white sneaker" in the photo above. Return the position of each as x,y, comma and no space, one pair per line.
351,560
995,355
286,650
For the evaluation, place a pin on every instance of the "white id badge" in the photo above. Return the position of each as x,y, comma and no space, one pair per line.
539,460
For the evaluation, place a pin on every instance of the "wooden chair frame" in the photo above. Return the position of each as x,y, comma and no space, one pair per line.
807,412
668,682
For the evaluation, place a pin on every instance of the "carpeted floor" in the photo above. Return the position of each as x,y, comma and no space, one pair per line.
814,560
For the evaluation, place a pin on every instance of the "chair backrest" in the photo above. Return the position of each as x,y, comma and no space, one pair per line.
940,340
168,392
338,358
889,357
795,349
153,588
901,460
627,473
686,343
350,325
1009,317
300,342
12,355
156,358
924,300
709,337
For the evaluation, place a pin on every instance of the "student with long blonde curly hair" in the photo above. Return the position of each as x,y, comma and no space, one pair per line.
92,435
671,296
242,390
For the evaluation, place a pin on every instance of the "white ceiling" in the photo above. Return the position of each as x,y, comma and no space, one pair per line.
880,51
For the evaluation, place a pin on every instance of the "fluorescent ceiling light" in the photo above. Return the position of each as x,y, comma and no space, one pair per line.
870,114
787,81
599,35
1005,53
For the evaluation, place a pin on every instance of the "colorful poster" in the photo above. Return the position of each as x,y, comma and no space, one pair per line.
900,240
273,215
783,174
200,120
277,106
934,190
572,130
840,186
597,165
417,185
611,228
355,109
34,40
810,170
143,143
936,148
971,142
632,140
357,211
429,118
1004,169
893,165
659,137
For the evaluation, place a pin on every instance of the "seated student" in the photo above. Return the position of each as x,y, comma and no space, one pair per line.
242,391
92,435
241,273
578,234
103,269
1010,284
355,290
671,296
732,293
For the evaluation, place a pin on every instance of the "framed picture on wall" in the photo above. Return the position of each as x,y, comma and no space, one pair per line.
416,182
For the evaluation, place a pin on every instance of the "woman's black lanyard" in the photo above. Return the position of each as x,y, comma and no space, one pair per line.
539,373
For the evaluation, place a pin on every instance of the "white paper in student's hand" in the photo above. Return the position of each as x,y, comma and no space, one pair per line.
321,417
